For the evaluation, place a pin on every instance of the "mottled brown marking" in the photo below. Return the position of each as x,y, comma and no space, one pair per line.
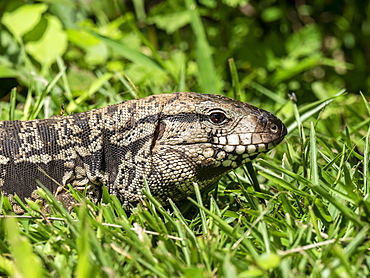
171,140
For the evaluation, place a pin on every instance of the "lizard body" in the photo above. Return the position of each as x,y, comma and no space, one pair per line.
171,140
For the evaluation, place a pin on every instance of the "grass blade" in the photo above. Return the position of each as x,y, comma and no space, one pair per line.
201,212
235,79
207,72
21,248
13,95
313,154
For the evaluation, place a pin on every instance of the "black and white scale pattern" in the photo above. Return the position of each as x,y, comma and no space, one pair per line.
171,140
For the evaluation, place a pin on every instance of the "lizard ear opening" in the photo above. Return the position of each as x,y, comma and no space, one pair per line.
158,133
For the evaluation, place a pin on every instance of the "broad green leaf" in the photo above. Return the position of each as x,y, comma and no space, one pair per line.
23,19
235,3
305,42
52,44
171,22
6,72
97,54
209,3
82,38
271,14
96,51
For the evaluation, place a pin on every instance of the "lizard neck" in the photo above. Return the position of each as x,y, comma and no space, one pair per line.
129,132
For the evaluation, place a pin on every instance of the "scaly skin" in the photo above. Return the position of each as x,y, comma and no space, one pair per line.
171,140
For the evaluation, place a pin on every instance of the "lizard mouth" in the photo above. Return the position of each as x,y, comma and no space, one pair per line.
263,139
237,149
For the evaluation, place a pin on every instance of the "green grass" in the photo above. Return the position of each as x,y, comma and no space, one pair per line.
310,217
314,223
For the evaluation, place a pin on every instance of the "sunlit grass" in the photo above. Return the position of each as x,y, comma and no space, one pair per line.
313,220
301,210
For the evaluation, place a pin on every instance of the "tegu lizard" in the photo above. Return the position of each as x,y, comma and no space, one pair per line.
169,140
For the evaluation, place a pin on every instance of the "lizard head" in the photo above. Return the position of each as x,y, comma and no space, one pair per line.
199,138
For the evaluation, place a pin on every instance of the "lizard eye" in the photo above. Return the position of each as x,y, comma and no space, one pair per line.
217,117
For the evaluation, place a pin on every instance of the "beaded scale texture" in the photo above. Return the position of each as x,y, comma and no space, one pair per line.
171,140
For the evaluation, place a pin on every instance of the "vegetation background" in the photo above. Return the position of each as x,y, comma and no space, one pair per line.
307,62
